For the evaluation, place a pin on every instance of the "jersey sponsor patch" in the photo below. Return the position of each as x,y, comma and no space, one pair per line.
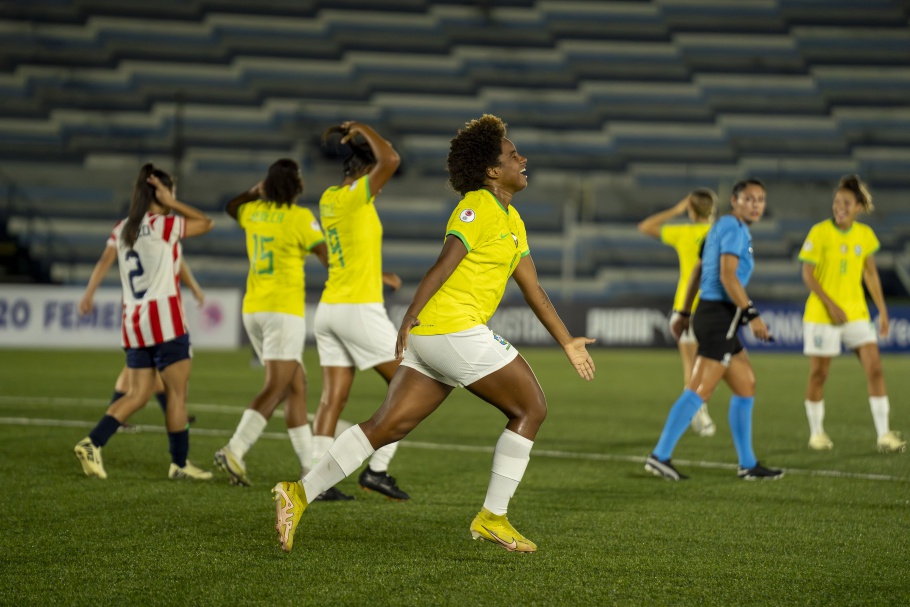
467,216
315,225
807,246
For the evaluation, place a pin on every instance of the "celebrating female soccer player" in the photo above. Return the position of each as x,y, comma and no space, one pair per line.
837,258
724,271
445,341
279,234
352,326
147,245
686,239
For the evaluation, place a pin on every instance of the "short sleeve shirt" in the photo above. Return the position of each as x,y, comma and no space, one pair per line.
277,240
839,259
686,239
729,236
496,240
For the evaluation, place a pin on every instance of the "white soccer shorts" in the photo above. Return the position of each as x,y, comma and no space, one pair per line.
821,339
459,359
349,335
276,336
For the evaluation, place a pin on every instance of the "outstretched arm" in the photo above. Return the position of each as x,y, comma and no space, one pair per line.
651,225
453,251
526,276
104,264
387,159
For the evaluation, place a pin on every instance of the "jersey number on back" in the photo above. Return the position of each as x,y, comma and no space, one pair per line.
335,245
263,257
136,272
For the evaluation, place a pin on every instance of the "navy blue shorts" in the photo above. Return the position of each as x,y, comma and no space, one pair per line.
711,324
160,356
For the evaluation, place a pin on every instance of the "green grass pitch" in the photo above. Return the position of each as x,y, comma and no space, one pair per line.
833,532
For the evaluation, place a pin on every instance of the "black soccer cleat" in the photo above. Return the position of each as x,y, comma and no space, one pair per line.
333,494
663,469
382,483
759,473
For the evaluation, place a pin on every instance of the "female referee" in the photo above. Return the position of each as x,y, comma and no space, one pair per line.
724,271
445,342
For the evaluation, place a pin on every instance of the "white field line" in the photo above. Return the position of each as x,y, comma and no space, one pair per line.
604,457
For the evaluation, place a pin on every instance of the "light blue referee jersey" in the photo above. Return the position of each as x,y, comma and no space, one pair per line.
728,236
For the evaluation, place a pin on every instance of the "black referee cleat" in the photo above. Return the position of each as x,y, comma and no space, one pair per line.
382,483
759,473
663,469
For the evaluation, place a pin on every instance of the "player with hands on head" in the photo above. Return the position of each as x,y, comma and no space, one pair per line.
838,257
722,275
352,327
445,343
686,239
279,235
154,335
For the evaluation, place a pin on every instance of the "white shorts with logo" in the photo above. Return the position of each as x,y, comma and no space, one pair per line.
821,339
459,359
354,335
275,335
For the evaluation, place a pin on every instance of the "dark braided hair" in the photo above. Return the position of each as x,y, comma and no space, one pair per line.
474,149
283,184
360,158
143,197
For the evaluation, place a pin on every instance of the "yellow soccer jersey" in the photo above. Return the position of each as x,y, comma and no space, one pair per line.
839,259
277,240
686,239
354,238
496,241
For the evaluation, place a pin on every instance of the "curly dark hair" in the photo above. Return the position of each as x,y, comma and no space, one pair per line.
283,184
474,149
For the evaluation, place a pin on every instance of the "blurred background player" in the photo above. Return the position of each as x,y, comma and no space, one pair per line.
837,259
724,271
279,235
154,330
352,326
445,342
121,385
686,239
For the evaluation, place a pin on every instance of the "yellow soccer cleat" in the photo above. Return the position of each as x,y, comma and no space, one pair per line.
189,471
233,465
90,457
290,502
820,442
891,442
497,529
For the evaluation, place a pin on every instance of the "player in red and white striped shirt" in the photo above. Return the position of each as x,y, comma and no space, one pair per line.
147,247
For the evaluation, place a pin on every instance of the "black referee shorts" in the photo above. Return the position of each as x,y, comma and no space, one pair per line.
712,323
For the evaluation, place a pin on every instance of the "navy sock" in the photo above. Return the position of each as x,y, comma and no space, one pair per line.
740,417
104,430
117,395
681,414
180,446
162,400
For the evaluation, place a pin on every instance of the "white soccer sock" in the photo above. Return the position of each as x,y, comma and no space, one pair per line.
321,446
881,407
510,459
302,440
247,433
380,460
815,412
343,458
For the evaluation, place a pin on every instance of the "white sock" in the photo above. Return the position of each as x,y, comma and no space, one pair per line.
247,433
343,458
815,412
510,459
880,408
321,446
302,439
380,460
